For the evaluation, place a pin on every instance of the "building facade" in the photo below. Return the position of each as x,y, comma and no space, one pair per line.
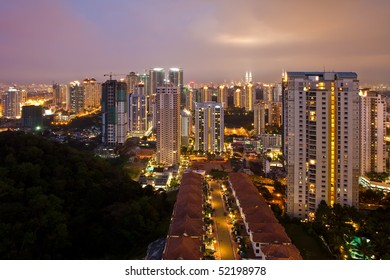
59,96
92,94
138,122
76,97
209,127
373,132
114,112
168,126
321,140
32,117
259,117
10,101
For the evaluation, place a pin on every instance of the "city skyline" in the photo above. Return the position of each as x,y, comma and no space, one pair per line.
61,41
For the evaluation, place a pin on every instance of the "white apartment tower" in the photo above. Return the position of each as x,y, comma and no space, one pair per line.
209,127
168,126
10,101
259,117
222,96
138,122
321,140
373,130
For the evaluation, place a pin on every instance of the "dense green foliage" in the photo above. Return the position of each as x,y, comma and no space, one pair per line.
339,224
60,203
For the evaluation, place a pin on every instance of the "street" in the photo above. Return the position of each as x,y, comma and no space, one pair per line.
224,248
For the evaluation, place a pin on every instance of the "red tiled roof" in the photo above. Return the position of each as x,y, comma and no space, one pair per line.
186,221
281,252
186,226
182,248
271,237
261,221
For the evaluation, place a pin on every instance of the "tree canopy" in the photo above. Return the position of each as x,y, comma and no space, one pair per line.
60,203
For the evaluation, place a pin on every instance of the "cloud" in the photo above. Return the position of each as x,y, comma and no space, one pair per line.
210,39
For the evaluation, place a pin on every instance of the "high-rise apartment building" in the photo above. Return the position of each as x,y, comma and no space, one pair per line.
114,112
321,140
206,94
168,124
175,76
275,113
59,96
138,122
156,79
132,80
373,131
92,93
209,127
250,97
259,116
186,126
222,95
76,97
10,101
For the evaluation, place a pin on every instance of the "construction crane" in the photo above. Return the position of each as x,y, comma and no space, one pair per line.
110,75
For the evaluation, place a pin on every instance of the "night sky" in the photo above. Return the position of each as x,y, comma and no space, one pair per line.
212,40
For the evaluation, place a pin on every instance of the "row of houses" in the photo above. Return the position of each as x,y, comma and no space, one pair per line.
185,236
267,236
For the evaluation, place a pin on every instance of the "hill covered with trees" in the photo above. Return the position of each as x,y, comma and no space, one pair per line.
60,203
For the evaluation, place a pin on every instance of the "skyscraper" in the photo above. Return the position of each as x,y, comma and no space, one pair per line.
373,130
259,117
92,93
59,96
168,124
138,123
321,140
114,112
206,94
209,127
10,101
186,126
222,96
175,76
75,97
132,80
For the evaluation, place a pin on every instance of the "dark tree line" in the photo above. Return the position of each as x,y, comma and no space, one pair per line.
339,224
60,203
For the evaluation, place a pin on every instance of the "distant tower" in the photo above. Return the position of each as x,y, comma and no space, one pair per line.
168,126
59,96
114,112
175,76
206,94
92,93
10,101
222,96
373,131
209,127
76,97
259,117
248,77
250,97
186,125
138,123
132,80
275,114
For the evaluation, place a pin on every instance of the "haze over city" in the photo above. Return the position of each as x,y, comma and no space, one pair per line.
214,40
